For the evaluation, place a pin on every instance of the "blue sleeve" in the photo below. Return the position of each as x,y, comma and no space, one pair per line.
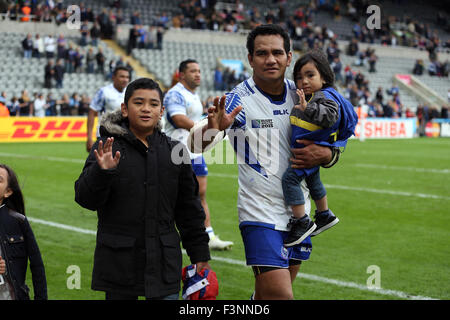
98,102
232,101
175,103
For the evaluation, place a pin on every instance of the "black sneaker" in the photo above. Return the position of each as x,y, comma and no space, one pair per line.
324,220
300,229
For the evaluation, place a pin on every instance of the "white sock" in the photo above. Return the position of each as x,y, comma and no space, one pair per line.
210,232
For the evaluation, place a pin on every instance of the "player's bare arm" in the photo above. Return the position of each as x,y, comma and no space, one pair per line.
90,125
311,155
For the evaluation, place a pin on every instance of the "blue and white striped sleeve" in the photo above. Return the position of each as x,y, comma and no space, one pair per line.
232,101
175,103
98,102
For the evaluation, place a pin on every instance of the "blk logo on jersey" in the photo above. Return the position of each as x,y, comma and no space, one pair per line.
280,112
262,123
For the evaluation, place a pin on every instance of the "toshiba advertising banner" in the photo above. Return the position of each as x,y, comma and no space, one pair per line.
386,128
48,129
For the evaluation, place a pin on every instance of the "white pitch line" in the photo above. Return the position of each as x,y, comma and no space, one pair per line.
311,277
397,168
234,176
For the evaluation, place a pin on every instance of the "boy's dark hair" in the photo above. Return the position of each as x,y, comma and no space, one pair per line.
266,30
320,61
117,69
184,64
142,83
15,200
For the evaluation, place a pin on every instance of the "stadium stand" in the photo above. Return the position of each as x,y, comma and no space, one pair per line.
209,47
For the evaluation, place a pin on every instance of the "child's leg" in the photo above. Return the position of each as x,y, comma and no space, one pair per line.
323,218
317,191
322,204
301,225
293,194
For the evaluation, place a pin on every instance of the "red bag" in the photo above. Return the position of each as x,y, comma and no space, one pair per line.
201,285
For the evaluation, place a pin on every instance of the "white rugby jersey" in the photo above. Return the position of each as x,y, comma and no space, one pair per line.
107,99
260,136
179,100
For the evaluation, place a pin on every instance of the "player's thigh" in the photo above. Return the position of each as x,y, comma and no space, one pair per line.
274,285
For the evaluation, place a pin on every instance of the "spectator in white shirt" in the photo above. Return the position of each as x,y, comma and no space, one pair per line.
39,106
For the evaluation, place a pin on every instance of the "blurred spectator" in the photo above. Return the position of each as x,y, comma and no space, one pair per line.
348,75
3,97
27,46
50,46
25,105
61,47
48,74
409,113
84,31
379,95
418,67
133,38
78,60
372,59
159,38
69,59
59,73
100,58
444,112
353,47
26,11
83,107
90,61
51,109
135,18
4,111
38,46
74,104
95,34
40,105
433,68
218,79
13,106
64,105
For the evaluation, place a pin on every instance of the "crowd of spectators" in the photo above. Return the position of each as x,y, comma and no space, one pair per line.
40,105
82,55
305,33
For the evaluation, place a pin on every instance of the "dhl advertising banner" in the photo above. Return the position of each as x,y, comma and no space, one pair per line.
386,128
48,129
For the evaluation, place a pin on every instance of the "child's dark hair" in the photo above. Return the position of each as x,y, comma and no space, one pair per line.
267,30
319,59
142,83
15,200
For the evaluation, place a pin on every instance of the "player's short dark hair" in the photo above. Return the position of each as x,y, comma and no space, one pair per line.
118,68
319,59
184,64
266,30
142,83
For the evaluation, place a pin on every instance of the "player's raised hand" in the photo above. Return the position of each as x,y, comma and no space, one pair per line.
104,155
218,118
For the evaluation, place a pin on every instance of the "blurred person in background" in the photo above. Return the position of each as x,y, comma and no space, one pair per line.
107,99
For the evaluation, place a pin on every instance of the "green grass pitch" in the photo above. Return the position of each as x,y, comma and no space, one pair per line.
392,198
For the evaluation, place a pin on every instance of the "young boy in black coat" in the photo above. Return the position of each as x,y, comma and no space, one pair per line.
143,188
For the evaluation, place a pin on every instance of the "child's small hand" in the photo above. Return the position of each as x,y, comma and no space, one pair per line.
302,104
